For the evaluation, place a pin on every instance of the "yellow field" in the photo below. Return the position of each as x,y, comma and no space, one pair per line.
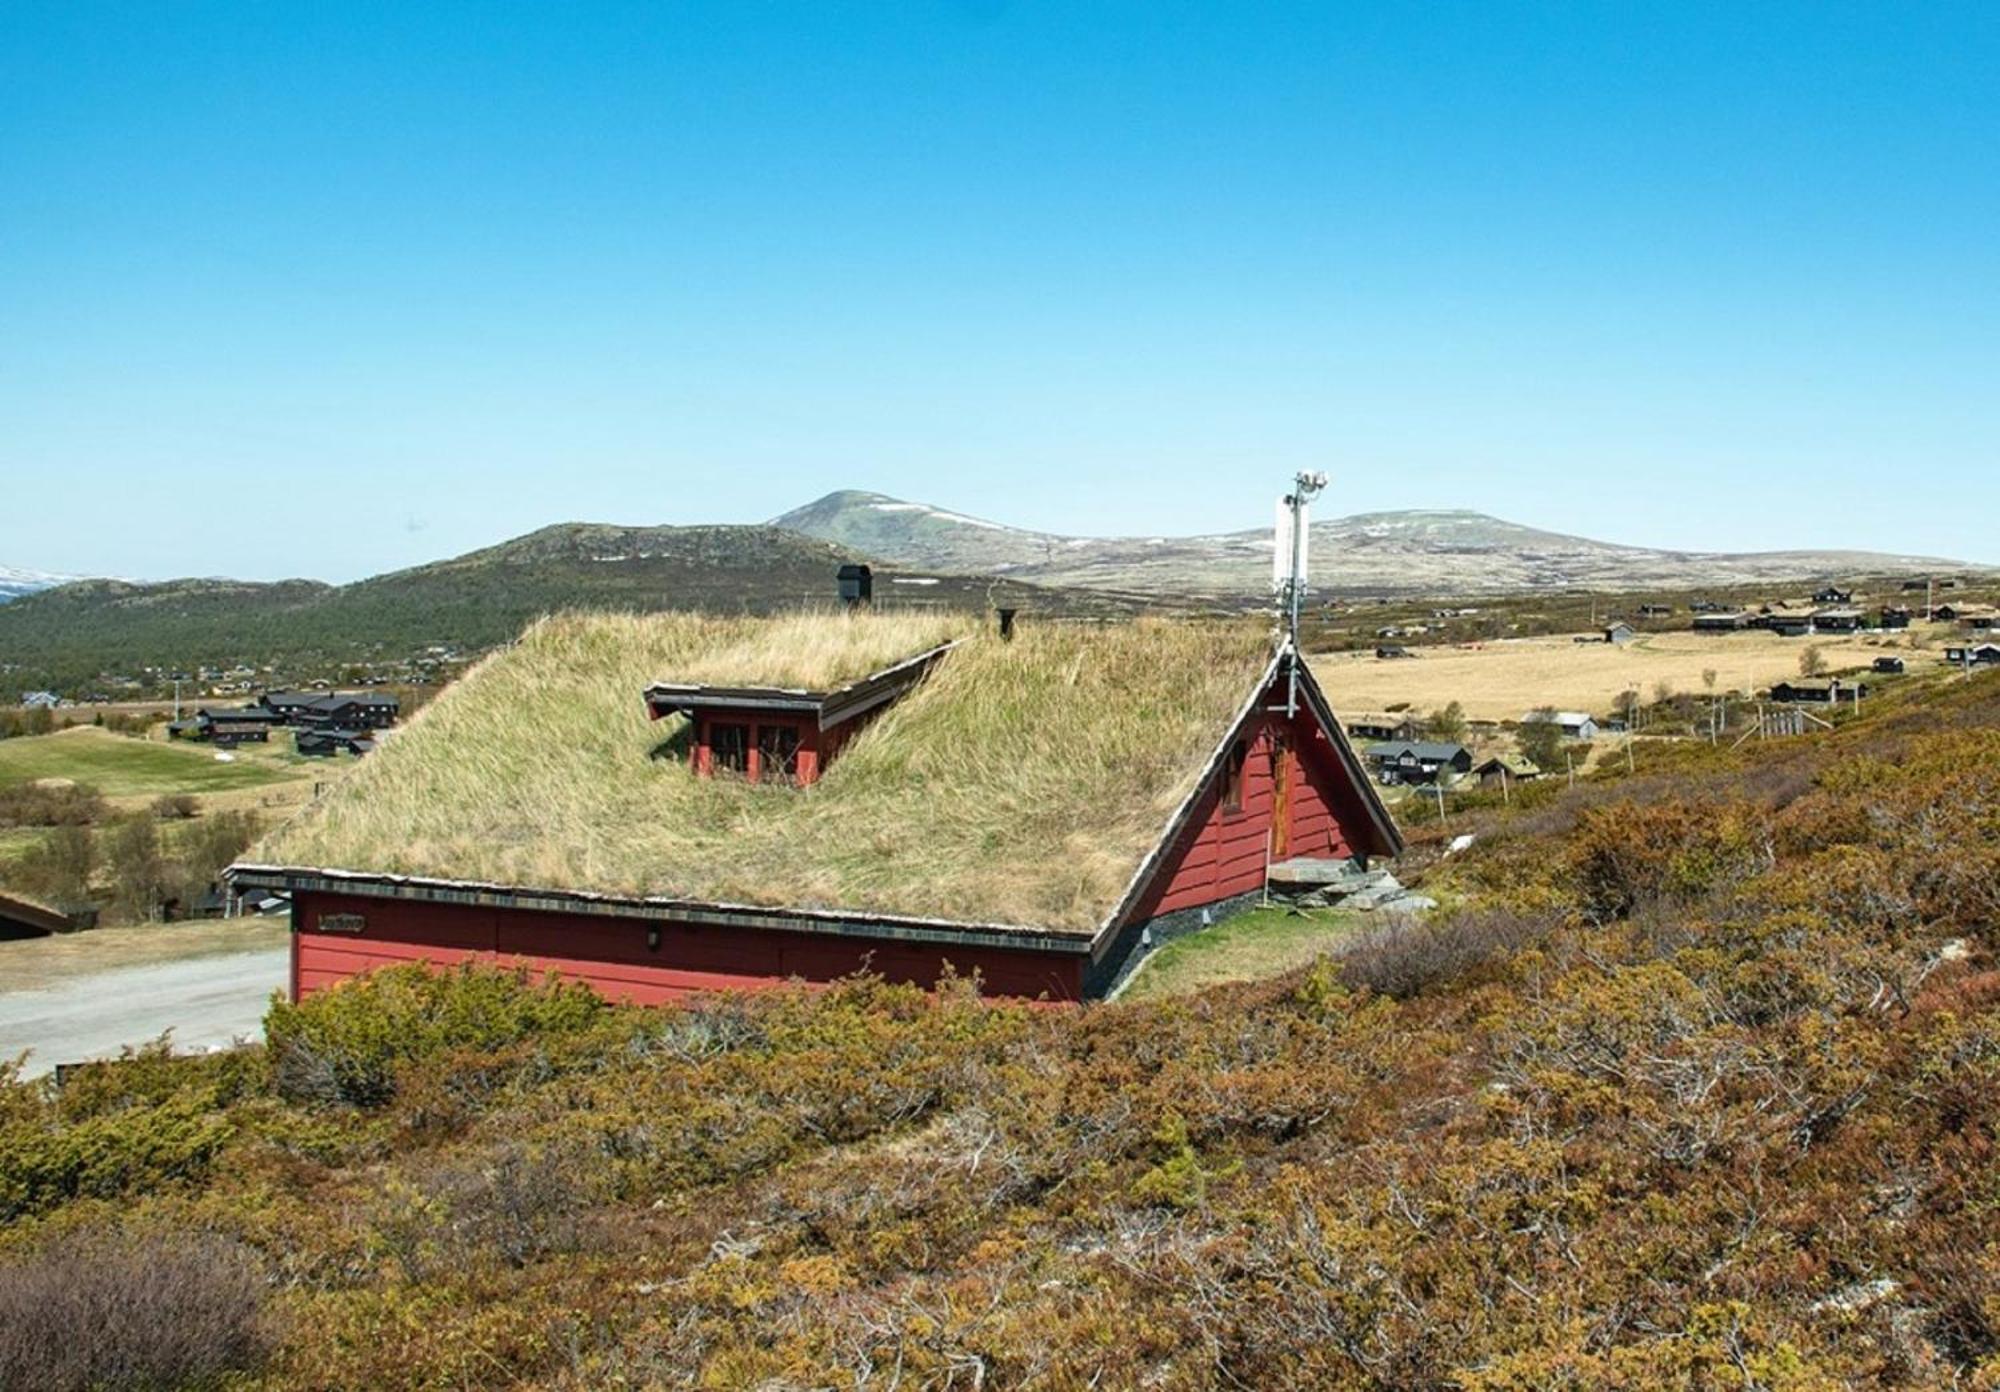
1506,679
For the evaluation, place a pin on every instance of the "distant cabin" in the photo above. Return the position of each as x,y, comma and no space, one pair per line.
1838,620
1655,611
1893,616
227,726
1392,650
22,917
1575,725
345,710
1507,768
1722,622
1817,691
1888,665
1419,761
318,743
714,804
1620,632
1973,655
1381,728
1832,594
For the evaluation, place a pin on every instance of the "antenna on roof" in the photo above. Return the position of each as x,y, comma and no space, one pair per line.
1288,569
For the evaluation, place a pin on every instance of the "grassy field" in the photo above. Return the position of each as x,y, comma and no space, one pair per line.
1253,944
1502,680
119,766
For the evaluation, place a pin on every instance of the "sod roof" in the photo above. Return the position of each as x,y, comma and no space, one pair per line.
1019,783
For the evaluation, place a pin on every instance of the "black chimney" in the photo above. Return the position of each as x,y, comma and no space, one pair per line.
1007,624
857,585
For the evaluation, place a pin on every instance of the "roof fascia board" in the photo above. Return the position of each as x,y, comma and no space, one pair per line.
828,922
1177,822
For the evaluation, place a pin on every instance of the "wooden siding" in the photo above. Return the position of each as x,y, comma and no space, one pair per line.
1224,853
611,954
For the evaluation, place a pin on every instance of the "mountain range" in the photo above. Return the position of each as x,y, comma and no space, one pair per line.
1428,551
15,582
66,635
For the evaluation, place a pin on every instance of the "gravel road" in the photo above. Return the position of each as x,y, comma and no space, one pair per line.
204,1000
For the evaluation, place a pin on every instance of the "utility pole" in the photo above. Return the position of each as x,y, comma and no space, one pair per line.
1289,551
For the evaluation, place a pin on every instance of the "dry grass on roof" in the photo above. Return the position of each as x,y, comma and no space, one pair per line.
810,651
1019,783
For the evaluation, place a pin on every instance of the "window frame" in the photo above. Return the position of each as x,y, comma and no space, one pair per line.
1235,766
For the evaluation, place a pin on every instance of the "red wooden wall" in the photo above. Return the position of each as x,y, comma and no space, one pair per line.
612,956
1222,853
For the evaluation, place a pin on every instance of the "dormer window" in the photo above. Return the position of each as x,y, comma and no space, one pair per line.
781,735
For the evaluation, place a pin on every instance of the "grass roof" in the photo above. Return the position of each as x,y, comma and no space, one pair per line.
1018,783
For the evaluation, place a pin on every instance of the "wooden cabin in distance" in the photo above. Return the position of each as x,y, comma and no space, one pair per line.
1043,811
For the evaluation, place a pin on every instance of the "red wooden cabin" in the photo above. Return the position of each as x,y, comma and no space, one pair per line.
1272,786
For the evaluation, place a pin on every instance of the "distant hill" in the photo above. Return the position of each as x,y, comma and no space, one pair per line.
65,637
1431,551
16,582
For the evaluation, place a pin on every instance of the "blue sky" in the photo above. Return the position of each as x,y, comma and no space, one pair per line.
328,289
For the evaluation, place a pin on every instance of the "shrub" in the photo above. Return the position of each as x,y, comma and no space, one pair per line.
1627,854
345,1045
1408,957
98,1311
139,1147
175,807
50,804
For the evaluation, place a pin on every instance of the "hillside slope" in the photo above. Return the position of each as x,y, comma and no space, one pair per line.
1697,1088
1433,551
66,637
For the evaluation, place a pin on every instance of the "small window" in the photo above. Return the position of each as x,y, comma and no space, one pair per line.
1232,776
777,754
728,748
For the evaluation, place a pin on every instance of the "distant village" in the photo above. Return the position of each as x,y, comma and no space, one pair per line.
324,723
1404,748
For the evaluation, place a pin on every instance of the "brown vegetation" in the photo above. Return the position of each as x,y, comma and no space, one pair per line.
1699,1088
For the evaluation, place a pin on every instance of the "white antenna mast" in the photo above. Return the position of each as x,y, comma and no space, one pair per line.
1288,570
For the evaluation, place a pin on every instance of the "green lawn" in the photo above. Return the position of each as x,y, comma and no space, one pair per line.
17,842
1255,943
119,766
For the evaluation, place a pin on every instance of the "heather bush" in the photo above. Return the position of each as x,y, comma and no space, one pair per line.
1405,956
100,1311
345,1045
50,804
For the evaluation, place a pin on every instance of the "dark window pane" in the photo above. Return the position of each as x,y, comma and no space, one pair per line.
729,747
778,753
1232,777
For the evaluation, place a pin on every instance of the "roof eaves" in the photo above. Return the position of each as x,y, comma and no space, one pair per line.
833,922
1178,820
